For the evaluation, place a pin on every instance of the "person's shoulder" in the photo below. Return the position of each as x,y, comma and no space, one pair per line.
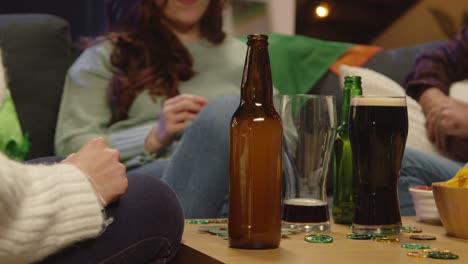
235,41
95,58
100,50
234,44
102,46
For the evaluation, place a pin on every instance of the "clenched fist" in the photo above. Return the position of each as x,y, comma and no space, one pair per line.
101,164
176,114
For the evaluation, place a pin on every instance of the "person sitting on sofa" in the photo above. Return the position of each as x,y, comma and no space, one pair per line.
45,208
162,66
446,117
83,198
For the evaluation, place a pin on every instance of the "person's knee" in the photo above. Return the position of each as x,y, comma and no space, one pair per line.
213,120
413,163
156,198
218,110
158,208
410,157
223,104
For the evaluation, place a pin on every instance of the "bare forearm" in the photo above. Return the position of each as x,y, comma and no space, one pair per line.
430,98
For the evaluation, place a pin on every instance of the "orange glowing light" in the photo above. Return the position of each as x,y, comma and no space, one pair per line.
322,10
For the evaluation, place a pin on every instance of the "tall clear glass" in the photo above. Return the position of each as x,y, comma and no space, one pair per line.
378,127
309,129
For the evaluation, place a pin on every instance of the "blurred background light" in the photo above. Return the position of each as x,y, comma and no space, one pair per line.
322,10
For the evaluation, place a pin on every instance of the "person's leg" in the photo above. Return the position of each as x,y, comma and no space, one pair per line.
152,169
421,169
199,168
147,225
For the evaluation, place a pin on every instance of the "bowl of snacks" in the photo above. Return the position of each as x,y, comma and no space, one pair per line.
451,199
424,204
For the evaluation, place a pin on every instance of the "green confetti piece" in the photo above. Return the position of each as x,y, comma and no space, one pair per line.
410,229
319,238
415,246
365,236
442,255
198,222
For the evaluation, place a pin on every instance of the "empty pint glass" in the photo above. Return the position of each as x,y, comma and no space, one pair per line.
378,127
309,129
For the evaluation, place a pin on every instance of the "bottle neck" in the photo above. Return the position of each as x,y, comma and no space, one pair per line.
356,91
347,94
345,108
257,85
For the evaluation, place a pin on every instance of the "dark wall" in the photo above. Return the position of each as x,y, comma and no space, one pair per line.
86,17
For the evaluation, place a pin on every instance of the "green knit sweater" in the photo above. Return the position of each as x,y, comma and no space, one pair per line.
85,112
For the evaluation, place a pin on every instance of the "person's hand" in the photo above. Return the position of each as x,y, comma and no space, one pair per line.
452,117
176,114
432,98
445,117
101,164
457,149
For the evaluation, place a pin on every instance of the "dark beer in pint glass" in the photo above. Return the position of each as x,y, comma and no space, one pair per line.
378,130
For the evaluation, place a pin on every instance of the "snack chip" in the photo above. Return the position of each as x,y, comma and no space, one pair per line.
460,179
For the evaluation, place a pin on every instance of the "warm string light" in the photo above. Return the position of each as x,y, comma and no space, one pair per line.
322,10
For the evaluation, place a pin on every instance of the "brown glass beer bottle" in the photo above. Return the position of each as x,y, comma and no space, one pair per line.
255,156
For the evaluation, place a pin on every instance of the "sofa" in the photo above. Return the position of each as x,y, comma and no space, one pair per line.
38,51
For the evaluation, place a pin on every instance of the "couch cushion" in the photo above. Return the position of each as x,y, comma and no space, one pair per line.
393,63
37,53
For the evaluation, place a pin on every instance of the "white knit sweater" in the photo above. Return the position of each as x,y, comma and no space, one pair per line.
44,208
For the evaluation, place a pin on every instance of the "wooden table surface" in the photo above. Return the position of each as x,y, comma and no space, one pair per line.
205,248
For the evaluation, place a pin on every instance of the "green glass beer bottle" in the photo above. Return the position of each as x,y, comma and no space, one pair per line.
343,189
256,136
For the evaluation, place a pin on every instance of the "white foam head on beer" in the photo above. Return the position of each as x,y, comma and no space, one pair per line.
305,202
378,101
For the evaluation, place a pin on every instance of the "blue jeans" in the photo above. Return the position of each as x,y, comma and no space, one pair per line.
421,169
198,170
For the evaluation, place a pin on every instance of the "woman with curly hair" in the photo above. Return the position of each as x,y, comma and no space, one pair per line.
160,88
